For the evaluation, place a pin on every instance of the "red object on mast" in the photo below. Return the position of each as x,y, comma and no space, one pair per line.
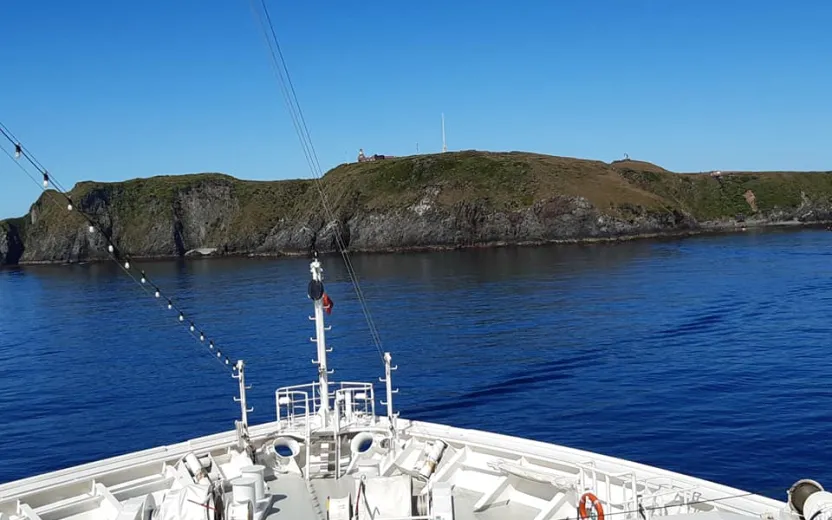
328,303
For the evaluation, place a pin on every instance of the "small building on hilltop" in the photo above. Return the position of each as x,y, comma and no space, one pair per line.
375,157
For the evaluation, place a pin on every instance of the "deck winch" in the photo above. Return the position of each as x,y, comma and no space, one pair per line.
808,499
800,492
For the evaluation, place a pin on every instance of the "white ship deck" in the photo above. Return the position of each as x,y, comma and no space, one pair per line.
486,476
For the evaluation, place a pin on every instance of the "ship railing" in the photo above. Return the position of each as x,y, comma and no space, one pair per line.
589,477
352,402
647,494
293,407
355,405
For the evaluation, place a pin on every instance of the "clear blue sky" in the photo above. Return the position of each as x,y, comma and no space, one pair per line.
111,90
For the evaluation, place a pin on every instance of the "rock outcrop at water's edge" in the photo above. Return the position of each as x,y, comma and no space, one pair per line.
430,201
11,245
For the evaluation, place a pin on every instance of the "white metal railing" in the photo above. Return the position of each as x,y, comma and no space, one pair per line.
351,402
292,404
618,492
649,493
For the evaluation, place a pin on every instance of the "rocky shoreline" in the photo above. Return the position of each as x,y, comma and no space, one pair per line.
706,230
452,201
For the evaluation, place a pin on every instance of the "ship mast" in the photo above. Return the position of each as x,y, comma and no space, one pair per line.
316,293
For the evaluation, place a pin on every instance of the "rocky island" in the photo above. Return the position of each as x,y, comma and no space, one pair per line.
448,200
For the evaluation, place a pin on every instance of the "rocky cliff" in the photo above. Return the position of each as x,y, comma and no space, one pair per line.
447,200
11,243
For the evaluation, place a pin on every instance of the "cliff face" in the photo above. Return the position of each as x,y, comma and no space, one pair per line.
447,200
11,244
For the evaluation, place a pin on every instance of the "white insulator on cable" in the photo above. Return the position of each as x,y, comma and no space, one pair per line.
110,248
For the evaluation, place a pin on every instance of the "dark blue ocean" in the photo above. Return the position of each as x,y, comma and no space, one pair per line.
707,355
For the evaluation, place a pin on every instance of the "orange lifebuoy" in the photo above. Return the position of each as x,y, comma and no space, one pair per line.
583,514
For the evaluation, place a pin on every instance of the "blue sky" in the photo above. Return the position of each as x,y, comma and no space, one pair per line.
109,90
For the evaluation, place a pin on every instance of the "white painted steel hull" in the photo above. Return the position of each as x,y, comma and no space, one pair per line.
533,482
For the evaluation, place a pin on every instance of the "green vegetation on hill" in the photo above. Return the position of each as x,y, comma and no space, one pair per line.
471,197
709,198
137,206
505,180
18,223
509,180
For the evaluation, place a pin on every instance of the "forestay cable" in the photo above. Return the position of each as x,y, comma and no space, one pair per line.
120,257
301,129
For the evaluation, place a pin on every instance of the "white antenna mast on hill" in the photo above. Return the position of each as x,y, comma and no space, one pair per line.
444,146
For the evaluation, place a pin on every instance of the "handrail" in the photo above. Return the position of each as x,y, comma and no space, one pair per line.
356,402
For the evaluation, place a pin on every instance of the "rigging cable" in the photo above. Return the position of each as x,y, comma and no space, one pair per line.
121,258
302,130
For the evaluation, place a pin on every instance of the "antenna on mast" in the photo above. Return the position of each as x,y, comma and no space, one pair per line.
444,146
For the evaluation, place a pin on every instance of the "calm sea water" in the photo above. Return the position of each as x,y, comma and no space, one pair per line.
709,356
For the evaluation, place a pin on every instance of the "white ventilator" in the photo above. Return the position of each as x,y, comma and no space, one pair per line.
285,449
363,446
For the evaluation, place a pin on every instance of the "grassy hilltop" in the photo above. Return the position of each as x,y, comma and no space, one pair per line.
440,200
